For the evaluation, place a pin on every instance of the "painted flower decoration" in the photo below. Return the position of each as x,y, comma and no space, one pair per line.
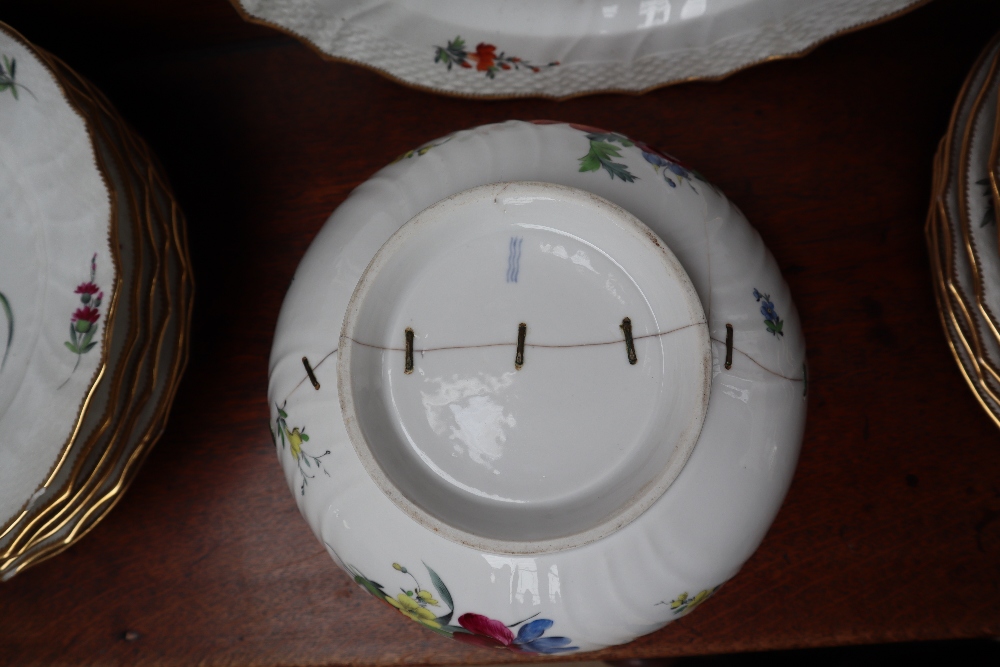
8,77
486,55
84,318
605,146
671,166
81,323
490,633
294,437
684,603
415,603
87,289
484,59
773,323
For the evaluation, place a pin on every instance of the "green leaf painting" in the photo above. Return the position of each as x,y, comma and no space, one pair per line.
8,77
602,153
440,587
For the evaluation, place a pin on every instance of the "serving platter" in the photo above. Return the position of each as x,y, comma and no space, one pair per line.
510,48
474,582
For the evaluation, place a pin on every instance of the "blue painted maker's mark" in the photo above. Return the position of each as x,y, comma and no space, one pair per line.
514,258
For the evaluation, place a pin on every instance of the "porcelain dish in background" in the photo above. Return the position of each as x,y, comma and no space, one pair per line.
510,48
962,233
145,337
566,230
59,276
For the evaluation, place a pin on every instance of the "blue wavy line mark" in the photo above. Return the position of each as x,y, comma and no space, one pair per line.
514,258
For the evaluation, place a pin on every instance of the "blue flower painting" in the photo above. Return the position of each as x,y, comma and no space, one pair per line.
773,323
672,170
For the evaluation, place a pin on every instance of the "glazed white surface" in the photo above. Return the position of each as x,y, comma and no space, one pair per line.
127,405
562,443
54,227
695,536
630,45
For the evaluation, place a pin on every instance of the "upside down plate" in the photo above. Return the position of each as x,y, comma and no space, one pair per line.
538,386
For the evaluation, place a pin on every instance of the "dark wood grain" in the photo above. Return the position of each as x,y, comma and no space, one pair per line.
891,529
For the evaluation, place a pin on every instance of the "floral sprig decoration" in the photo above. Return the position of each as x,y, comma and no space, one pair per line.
416,602
418,152
671,166
293,438
489,633
8,77
773,323
685,603
484,59
83,322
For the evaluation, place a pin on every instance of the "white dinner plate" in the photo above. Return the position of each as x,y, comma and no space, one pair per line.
58,276
962,236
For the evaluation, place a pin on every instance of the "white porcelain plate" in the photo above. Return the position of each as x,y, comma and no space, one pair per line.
57,276
978,216
489,379
561,48
965,234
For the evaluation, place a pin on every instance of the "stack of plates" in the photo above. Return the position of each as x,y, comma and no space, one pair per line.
95,308
962,230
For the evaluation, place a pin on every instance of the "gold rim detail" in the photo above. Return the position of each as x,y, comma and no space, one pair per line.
954,306
156,348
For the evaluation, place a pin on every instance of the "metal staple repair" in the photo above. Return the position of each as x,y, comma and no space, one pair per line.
310,373
729,346
522,332
408,367
626,327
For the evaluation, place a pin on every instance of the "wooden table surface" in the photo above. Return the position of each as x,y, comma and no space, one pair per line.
891,529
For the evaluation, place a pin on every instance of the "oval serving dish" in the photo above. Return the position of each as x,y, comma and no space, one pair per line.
564,48
567,396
